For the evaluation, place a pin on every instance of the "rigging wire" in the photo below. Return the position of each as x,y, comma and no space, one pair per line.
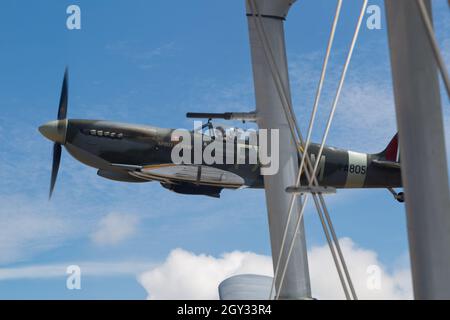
330,119
305,150
433,42
289,115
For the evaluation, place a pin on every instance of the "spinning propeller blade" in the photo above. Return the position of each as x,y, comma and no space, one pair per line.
55,166
62,109
56,132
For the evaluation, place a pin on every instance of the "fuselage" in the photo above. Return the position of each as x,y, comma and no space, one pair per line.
110,147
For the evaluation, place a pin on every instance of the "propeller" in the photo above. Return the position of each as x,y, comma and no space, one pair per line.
61,127
57,149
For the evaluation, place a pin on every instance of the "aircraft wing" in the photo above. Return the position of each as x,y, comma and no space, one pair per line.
387,164
197,174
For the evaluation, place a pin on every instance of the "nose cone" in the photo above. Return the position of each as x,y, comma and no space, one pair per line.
54,130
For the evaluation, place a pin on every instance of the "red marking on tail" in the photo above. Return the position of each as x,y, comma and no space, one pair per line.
391,151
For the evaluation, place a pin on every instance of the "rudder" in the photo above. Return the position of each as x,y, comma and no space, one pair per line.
392,151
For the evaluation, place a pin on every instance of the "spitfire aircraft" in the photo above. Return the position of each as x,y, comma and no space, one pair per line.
137,153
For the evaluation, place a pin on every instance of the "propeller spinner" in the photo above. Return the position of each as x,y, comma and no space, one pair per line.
56,131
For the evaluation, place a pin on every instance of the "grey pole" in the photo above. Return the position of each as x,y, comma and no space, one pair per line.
422,148
270,115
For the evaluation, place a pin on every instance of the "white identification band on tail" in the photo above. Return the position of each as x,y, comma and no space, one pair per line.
357,169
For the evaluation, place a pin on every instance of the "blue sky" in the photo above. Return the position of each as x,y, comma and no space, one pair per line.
150,62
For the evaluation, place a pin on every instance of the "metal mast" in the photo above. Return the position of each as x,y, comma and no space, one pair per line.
270,115
422,147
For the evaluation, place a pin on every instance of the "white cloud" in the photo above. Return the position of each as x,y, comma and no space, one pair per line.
97,269
114,228
185,275
326,284
28,228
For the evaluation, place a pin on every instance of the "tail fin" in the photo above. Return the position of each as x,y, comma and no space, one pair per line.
392,152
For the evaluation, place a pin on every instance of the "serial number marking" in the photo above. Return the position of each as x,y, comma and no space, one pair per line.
354,168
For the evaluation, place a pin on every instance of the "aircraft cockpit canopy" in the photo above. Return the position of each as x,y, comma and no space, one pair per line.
217,130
